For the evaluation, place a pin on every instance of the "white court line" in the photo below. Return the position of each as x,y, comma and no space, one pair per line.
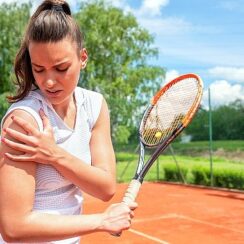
155,218
211,224
148,236
174,215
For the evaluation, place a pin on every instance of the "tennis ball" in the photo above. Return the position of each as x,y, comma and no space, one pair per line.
158,134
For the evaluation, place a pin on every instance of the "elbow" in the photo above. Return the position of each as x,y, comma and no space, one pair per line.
9,235
107,197
109,193
11,232
8,238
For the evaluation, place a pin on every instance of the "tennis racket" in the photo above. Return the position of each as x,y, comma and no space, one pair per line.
171,110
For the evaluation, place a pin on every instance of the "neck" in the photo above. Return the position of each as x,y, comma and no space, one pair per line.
67,109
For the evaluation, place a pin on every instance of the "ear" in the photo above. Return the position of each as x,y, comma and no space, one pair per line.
83,58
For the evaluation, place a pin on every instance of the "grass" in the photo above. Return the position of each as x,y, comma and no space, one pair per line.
127,163
201,146
193,160
194,147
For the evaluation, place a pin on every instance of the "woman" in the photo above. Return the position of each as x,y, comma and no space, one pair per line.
56,140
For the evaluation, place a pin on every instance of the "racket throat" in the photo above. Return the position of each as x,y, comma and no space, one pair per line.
140,163
158,151
138,177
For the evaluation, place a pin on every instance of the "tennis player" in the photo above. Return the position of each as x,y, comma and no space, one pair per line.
55,140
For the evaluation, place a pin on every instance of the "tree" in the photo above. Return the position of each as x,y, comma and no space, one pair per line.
118,49
228,121
13,18
118,52
3,105
198,128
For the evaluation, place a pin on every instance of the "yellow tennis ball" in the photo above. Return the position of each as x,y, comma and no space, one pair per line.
158,134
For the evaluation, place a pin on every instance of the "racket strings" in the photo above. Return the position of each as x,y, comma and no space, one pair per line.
169,112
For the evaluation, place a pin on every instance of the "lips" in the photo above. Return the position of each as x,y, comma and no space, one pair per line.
53,92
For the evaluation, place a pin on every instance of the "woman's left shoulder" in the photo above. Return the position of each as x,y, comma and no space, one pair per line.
88,94
92,102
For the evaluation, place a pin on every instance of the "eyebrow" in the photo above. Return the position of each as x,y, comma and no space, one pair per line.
58,64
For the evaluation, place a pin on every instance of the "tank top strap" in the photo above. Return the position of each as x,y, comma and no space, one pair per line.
91,102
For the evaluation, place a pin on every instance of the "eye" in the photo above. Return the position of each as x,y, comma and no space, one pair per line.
38,70
62,69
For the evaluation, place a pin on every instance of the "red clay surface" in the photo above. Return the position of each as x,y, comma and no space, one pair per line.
177,214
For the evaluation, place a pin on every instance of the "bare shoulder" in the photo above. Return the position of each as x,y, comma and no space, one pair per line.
103,118
8,123
101,143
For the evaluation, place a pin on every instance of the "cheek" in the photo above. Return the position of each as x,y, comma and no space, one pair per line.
74,74
68,80
38,79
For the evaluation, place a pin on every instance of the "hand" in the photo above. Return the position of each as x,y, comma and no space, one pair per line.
117,217
36,146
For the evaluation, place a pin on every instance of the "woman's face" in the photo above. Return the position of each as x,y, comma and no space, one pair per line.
56,68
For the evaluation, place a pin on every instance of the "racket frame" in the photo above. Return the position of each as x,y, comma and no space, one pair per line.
142,167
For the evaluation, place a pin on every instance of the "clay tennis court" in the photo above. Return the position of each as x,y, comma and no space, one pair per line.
177,214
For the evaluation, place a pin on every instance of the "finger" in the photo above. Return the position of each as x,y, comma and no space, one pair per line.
45,120
116,234
18,146
25,125
18,158
20,136
133,205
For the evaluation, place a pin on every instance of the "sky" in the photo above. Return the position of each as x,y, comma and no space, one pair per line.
205,37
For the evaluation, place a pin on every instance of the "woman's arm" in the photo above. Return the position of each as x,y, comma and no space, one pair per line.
98,180
18,221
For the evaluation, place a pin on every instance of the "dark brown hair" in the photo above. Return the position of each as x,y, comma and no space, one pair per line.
51,22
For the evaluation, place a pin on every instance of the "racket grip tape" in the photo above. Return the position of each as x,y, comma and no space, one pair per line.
131,192
130,196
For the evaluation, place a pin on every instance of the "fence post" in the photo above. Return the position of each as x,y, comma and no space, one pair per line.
210,137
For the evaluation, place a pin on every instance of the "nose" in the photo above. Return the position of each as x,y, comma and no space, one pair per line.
49,83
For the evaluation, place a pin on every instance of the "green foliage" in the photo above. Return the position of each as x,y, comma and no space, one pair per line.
229,178
13,18
191,148
198,128
122,134
171,173
195,170
227,123
200,175
3,105
118,51
196,147
125,157
226,177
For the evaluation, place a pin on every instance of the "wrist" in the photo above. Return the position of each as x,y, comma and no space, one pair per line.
101,222
93,222
59,156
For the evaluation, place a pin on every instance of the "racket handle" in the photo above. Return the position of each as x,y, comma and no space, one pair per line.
130,196
131,192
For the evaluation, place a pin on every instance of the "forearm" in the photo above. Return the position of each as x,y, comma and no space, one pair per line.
40,227
93,180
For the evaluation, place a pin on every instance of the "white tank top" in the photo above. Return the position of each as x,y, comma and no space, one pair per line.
53,193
